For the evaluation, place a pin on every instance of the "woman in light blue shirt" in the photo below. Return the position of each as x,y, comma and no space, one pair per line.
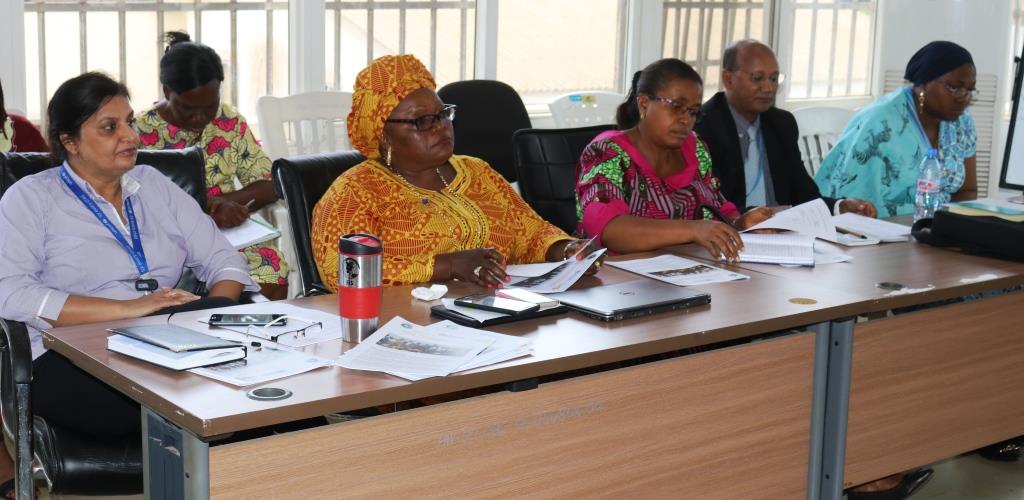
878,155
100,238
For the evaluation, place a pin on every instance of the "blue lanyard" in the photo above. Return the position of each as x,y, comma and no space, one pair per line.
135,249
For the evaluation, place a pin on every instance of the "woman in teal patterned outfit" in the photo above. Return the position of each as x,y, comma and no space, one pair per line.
878,155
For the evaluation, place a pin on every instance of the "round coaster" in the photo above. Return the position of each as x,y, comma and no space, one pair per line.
268,394
890,285
802,301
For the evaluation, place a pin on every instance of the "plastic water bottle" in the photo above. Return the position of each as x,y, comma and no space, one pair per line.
929,180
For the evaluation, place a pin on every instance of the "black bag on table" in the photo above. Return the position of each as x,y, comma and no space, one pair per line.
982,235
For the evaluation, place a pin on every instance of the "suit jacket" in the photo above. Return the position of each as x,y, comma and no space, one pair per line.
790,180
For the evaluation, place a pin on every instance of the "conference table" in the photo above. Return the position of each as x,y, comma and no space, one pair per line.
743,397
927,383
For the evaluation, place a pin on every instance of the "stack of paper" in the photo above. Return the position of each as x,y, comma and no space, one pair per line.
789,249
415,352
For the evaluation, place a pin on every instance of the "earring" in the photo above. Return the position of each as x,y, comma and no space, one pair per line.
642,114
387,156
920,100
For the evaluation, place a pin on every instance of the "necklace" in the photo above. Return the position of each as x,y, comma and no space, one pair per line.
476,216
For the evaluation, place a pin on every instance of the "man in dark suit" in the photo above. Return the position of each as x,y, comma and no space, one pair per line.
753,144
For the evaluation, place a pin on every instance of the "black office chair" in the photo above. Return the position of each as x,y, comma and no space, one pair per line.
301,181
545,161
186,167
65,462
488,113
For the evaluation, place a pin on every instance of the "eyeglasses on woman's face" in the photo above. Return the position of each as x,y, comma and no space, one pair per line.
677,107
960,92
427,122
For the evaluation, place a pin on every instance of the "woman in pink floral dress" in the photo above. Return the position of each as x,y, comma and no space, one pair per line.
192,114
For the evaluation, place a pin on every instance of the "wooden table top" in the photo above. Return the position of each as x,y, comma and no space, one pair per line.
915,265
561,343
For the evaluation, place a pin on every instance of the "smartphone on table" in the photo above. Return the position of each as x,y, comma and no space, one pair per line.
246,319
496,304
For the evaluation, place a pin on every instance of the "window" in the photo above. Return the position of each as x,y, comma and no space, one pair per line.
550,47
440,33
698,31
830,44
64,38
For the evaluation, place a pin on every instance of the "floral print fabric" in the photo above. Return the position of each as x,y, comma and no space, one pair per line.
231,152
614,178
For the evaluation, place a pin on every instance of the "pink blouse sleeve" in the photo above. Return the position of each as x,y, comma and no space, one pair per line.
600,195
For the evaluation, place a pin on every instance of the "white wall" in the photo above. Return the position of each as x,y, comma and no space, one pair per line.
12,56
981,26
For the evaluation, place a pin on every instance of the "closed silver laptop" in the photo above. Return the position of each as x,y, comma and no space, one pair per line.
631,299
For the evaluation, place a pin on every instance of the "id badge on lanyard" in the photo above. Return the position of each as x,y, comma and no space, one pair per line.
144,283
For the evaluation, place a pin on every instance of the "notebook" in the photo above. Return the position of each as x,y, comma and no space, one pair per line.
183,360
630,299
173,338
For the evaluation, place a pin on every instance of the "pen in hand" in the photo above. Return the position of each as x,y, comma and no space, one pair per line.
249,203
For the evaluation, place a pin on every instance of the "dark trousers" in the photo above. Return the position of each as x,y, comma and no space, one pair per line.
68,397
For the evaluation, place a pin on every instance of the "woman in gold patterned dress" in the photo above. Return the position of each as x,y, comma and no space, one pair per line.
441,216
192,114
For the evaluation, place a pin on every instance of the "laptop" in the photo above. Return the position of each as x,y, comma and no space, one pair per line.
631,299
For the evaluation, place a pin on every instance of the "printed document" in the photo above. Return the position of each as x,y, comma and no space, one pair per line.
401,346
812,219
561,277
871,228
503,347
262,364
677,270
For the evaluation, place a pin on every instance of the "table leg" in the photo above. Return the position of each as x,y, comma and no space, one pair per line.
175,462
836,406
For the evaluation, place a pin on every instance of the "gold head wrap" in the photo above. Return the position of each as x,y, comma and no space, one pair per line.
378,90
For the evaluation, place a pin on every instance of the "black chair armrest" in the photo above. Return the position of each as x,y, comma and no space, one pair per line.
16,400
18,348
316,289
87,465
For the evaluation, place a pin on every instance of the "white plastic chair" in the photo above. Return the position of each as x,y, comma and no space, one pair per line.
582,109
820,128
313,122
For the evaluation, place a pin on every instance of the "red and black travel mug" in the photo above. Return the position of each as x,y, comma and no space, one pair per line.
359,285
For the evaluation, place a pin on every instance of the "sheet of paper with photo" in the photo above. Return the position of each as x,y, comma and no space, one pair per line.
503,347
560,278
677,270
401,346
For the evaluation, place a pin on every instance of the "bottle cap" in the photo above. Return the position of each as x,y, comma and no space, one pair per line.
931,153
